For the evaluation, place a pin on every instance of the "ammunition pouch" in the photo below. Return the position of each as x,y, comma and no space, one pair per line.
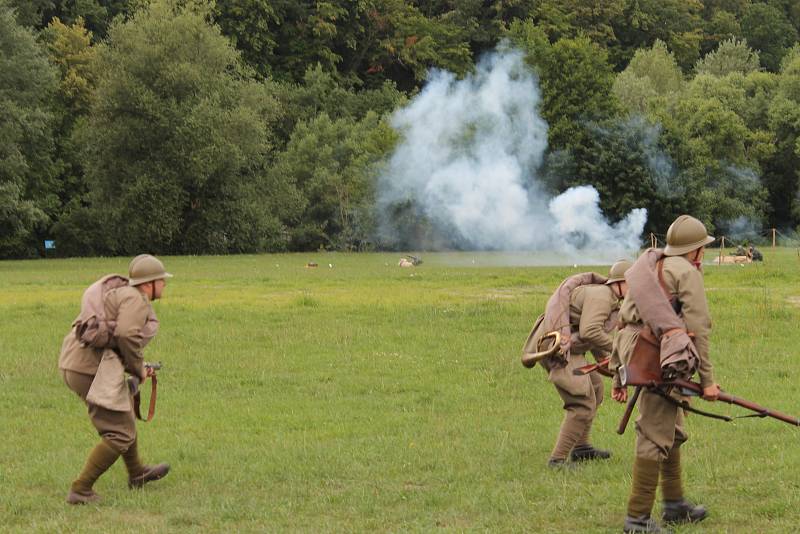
653,361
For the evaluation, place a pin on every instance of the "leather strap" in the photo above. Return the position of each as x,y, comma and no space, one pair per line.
137,400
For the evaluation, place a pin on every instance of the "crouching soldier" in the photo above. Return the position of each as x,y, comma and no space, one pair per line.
106,341
661,285
583,313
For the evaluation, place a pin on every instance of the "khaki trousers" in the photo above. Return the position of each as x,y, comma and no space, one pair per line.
659,427
581,395
118,428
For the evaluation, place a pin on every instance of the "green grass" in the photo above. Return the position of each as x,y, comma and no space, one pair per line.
366,397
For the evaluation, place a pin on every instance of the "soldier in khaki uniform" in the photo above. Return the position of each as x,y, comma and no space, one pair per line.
99,374
591,308
659,428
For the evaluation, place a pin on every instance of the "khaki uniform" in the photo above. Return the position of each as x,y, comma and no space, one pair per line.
109,404
659,427
591,307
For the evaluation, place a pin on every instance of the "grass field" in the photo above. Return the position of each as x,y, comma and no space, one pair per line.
365,397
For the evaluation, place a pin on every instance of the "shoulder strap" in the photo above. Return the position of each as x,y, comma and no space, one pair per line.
661,281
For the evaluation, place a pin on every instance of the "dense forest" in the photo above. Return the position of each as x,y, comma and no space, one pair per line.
228,126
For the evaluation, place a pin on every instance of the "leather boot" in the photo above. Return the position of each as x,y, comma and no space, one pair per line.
588,452
100,459
683,511
643,524
150,473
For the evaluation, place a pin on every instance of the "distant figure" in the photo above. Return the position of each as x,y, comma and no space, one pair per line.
755,254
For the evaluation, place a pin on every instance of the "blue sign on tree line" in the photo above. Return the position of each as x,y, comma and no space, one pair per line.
48,245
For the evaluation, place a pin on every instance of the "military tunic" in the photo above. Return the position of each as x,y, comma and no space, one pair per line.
114,419
659,426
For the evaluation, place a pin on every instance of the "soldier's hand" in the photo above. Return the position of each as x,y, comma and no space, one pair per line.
710,393
619,394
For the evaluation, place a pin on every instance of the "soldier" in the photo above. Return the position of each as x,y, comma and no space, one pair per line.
97,374
659,428
592,315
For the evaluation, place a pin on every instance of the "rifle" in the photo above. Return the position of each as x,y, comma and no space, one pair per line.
137,399
644,370
600,366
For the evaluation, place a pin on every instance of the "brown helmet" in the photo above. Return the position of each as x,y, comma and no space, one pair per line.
146,268
685,235
617,271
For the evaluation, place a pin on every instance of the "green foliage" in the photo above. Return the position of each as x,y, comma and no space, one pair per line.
367,41
731,56
675,22
177,142
650,79
575,79
320,93
333,163
97,14
768,30
27,171
781,172
627,163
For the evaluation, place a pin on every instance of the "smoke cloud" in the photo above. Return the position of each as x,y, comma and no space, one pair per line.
469,165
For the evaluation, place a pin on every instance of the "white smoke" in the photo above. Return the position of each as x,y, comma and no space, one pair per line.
469,161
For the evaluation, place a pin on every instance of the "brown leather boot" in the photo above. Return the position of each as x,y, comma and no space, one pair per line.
100,459
151,473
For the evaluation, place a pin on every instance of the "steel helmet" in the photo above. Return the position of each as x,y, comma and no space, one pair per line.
685,235
617,271
146,268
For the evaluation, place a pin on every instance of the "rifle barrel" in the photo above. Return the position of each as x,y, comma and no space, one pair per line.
744,403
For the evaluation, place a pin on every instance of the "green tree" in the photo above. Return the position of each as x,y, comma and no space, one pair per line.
650,80
71,51
177,143
722,26
768,30
678,23
27,172
319,93
627,163
575,79
334,164
360,42
731,56
97,14
781,173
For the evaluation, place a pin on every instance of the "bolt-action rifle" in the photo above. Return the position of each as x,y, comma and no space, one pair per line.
644,371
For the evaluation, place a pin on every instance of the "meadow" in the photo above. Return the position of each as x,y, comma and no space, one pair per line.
362,397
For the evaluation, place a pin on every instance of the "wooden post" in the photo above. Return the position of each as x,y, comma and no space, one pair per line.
721,246
653,242
773,237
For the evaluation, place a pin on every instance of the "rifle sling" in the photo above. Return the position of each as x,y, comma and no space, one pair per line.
137,400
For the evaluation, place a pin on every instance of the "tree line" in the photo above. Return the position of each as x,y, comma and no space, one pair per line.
202,127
